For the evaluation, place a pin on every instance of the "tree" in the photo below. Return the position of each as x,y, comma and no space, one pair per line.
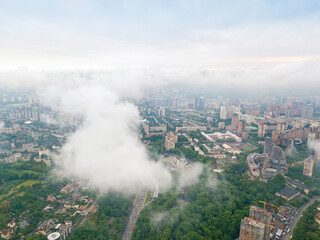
5,206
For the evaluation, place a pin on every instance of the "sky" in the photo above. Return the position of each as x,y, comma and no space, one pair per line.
168,34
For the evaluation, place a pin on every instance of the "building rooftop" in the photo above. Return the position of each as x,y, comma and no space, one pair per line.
288,192
298,184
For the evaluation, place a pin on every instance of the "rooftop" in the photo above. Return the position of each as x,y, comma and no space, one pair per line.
288,192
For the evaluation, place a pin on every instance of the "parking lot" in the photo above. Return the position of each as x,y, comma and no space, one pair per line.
282,222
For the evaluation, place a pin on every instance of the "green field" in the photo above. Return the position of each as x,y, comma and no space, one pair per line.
247,148
16,188
30,183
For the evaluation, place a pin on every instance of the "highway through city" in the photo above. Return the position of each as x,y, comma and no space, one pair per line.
138,205
299,215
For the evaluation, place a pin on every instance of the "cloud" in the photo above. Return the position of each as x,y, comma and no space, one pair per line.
290,151
105,150
134,81
189,176
314,145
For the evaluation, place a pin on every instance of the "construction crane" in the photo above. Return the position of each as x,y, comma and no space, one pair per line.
251,219
265,203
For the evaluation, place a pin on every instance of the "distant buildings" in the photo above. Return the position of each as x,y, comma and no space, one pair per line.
278,157
287,137
268,145
261,130
276,154
153,130
260,166
235,119
218,135
226,112
241,127
222,125
308,167
32,113
162,112
171,140
15,128
307,112
199,103
191,128
269,164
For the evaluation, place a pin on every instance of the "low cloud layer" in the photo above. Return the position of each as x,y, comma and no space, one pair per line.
314,145
300,76
189,176
105,150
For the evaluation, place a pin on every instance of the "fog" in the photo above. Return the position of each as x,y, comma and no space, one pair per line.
189,176
314,145
105,150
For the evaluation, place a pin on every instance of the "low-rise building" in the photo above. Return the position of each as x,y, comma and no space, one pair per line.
288,193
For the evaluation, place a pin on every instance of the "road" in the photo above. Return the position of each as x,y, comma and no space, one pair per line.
283,220
89,212
138,205
299,215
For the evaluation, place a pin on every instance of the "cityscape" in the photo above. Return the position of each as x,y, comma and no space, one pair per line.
267,142
160,120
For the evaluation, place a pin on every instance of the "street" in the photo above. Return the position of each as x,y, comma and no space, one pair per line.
299,215
138,205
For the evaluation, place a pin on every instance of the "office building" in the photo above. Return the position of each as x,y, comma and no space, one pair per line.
307,112
278,157
241,127
235,119
268,145
261,130
308,167
226,112
171,140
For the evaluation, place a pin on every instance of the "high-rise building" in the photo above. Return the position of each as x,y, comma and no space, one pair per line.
261,130
235,119
268,145
276,111
32,113
281,127
278,157
162,112
257,226
199,103
289,113
35,114
308,167
282,138
171,140
222,125
241,127
227,111
307,112
223,112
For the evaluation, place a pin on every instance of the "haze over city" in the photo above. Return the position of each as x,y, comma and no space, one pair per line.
141,119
